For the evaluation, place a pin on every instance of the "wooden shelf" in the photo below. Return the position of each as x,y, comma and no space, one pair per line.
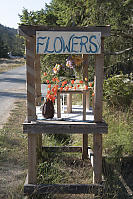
64,127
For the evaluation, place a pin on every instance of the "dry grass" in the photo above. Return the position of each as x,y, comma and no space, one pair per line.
13,154
8,64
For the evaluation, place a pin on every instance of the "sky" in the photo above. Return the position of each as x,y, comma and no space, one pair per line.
9,10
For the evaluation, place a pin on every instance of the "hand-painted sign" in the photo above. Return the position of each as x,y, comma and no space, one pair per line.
59,42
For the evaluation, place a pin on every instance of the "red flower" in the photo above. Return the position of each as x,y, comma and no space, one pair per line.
45,74
72,81
78,85
47,81
81,82
75,87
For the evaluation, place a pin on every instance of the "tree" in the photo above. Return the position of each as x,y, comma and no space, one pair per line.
118,47
3,49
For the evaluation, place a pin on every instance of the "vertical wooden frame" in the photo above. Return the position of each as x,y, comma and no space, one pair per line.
31,108
85,136
98,90
38,100
69,103
58,105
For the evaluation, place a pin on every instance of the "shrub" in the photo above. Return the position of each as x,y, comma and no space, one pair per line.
118,91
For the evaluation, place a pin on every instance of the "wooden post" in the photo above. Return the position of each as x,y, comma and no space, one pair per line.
88,100
69,103
31,108
84,105
85,76
97,159
38,101
58,105
98,90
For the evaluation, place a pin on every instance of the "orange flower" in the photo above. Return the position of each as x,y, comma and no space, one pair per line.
61,88
53,79
86,87
90,84
93,94
57,80
72,81
49,86
71,87
47,81
45,74
75,87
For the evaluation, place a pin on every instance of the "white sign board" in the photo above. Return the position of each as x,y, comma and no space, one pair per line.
60,42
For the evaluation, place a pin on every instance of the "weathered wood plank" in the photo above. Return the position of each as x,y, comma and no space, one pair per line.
31,109
28,30
61,149
99,76
97,159
69,103
58,105
62,127
32,158
85,103
63,188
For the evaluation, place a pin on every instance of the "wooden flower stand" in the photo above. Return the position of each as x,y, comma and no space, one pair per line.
35,128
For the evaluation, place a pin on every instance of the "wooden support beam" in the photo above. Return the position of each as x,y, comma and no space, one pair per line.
61,149
97,159
32,158
30,61
62,188
98,87
85,78
31,108
58,105
37,80
64,127
30,30
69,103
38,101
97,138
98,90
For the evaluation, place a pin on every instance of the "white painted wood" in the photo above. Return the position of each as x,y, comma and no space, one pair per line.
68,42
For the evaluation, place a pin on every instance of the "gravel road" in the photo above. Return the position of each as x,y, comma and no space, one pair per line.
12,87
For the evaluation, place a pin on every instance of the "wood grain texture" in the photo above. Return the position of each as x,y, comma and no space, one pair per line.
30,30
31,110
32,158
69,103
63,127
63,188
98,88
97,159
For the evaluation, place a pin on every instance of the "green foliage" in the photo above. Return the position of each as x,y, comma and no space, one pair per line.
3,49
118,142
10,42
118,91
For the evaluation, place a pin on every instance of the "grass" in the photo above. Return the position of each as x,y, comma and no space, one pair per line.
13,154
8,64
68,167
